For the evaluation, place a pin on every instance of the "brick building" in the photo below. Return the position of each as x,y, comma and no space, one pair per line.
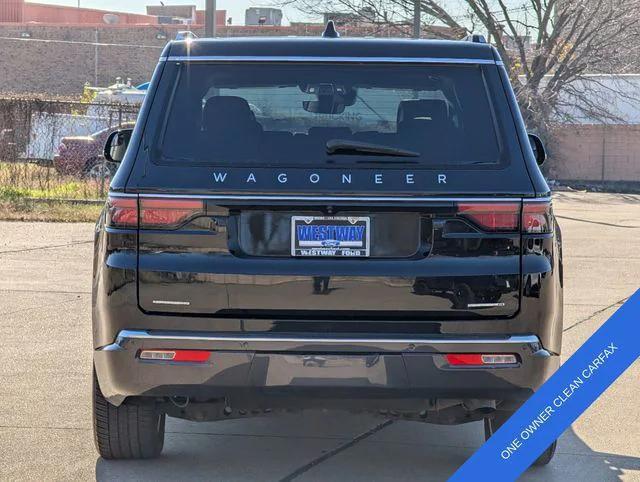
19,11
67,47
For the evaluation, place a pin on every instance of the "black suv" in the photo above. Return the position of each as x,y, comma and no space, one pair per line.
323,223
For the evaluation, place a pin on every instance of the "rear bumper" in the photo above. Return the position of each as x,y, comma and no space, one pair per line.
299,370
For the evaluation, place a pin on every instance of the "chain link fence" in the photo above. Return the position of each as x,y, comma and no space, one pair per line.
51,149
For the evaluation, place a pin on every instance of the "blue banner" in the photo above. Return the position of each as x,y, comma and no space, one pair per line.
560,400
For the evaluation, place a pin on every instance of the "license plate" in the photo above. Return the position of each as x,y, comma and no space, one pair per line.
339,236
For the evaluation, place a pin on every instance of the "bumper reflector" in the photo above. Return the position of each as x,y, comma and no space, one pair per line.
478,359
189,356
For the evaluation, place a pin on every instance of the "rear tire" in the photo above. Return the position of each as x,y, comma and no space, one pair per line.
491,425
134,430
547,455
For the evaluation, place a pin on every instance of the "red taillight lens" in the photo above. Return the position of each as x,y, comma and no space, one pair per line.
188,356
122,212
492,216
480,359
164,213
537,217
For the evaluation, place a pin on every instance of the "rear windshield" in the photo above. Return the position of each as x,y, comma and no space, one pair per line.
319,115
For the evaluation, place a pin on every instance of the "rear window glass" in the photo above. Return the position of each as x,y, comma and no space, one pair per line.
319,115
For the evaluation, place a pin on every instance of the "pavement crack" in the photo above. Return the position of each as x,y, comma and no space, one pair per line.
53,246
340,448
597,312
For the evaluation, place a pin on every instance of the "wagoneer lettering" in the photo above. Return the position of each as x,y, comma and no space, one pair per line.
305,223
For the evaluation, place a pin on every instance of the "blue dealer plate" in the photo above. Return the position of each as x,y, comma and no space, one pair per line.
339,236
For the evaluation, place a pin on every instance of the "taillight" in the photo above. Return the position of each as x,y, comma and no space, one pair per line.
122,212
480,359
167,212
492,216
154,213
537,217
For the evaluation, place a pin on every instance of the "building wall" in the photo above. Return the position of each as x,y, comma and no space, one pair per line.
272,16
39,12
58,59
11,10
596,153
221,17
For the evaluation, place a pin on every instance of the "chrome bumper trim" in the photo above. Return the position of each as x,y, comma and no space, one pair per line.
221,342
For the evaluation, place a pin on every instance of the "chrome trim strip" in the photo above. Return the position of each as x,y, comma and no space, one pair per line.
266,197
121,194
484,305
166,302
302,58
224,342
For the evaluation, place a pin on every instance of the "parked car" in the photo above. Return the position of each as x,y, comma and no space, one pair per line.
82,155
374,234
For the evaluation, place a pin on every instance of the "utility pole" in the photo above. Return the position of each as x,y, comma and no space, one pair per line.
416,18
210,18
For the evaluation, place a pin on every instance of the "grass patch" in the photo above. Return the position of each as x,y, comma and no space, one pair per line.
22,184
24,180
25,210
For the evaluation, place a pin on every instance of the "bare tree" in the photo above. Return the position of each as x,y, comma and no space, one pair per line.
551,48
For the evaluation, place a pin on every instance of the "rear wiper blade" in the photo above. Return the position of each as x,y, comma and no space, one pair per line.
355,148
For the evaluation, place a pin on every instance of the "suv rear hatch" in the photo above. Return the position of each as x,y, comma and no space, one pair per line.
341,191
426,260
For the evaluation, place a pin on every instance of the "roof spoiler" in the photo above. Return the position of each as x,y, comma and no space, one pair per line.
475,38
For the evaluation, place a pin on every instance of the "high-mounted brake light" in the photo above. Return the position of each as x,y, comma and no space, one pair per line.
160,212
187,356
537,217
492,216
122,212
480,359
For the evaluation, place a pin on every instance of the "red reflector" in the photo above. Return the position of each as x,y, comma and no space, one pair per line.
195,356
464,359
479,359
122,212
158,213
191,356
536,217
492,216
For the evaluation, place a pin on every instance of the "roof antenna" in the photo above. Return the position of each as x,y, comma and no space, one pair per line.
330,31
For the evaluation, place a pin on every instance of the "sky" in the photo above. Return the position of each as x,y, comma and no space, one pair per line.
235,8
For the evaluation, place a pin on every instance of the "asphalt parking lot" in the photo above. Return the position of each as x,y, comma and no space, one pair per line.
45,367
